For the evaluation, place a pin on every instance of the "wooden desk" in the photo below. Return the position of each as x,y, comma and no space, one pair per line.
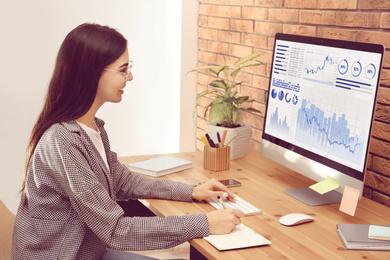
263,182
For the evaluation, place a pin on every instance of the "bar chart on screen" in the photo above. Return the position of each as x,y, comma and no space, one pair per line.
329,132
279,123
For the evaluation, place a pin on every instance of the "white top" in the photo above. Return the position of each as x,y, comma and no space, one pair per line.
96,140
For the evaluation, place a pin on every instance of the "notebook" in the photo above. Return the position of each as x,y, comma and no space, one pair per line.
240,237
355,236
160,166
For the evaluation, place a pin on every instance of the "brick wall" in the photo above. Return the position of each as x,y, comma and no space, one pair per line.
236,28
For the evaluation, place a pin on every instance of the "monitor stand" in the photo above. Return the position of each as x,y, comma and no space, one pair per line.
313,198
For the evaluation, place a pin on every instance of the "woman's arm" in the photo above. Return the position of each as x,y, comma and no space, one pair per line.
95,207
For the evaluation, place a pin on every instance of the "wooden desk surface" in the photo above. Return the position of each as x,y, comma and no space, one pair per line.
263,182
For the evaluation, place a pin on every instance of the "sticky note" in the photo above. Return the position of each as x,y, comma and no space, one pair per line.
325,186
349,201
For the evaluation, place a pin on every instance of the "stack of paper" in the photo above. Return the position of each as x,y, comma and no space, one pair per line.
160,166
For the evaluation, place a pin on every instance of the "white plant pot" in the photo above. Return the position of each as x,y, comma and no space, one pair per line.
240,144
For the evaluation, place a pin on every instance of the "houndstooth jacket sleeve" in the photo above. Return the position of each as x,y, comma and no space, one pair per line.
71,210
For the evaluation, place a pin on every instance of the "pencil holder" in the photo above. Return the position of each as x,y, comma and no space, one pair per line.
216,159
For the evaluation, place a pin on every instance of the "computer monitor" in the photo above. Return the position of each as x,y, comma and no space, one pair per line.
320,110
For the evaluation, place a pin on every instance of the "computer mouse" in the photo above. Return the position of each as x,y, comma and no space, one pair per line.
295,219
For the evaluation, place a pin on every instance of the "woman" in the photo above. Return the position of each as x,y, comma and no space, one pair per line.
68,208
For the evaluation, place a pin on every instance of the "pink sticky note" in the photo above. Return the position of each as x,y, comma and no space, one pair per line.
349,201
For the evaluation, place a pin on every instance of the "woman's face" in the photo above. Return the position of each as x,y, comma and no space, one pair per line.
112,82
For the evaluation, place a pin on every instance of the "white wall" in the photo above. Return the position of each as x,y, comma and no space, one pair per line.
153,115
189,60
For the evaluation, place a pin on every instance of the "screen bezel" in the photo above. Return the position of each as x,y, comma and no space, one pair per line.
366,47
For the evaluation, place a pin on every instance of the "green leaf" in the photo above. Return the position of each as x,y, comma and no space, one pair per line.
217,113
201,68
235,84
251,109
233,93
218,84
235,72
241,100
248,58
214,69
206,109
255,63
228,100
218,69
236,116
218,99
200,95
252,64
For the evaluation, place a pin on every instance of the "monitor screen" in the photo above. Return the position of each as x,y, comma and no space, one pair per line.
321,102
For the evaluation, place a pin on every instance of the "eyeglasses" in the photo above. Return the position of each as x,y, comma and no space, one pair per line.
125,73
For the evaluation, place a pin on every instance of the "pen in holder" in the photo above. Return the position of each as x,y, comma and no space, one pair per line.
216,159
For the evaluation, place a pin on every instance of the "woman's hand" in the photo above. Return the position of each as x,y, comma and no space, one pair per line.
223,221
211,189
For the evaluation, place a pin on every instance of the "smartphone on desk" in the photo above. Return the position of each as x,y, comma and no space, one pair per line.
230,183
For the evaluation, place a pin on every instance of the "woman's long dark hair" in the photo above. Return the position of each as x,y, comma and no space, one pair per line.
83,55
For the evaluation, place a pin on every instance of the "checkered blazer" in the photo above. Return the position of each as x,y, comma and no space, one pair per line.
72,211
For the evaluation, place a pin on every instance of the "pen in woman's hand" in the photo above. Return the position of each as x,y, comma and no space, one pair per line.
221,201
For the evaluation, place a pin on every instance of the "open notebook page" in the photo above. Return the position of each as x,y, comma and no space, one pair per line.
240,237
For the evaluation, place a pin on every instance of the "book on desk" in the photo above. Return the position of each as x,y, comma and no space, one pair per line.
160,166
356,236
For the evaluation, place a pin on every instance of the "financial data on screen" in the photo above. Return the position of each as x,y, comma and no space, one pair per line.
322,98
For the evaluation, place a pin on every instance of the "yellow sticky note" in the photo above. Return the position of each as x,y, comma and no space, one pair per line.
325,186
349,201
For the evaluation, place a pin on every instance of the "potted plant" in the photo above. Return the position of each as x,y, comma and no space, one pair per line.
224,110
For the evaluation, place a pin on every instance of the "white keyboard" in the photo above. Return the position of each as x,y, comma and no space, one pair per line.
240,204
